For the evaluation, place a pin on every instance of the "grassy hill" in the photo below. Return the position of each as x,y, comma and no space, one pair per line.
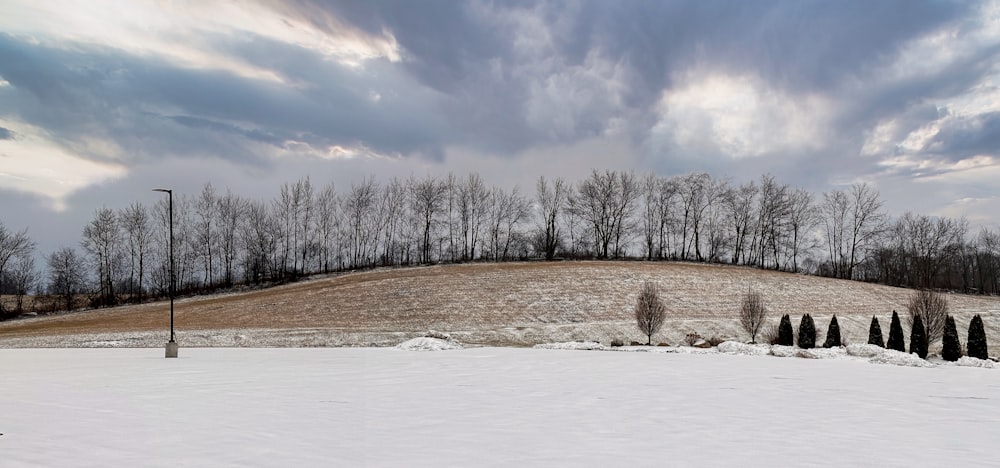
493,304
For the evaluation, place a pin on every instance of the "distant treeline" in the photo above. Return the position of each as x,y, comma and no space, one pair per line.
223,240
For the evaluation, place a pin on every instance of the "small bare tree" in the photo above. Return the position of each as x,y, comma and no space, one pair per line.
649,311
753,313
932,307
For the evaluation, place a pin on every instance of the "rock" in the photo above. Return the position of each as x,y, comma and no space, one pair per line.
701,344
662,344
635,343
617,343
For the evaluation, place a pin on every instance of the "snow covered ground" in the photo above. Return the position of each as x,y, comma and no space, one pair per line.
486,407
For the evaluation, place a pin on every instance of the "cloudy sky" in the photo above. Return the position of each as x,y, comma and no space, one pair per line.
102,100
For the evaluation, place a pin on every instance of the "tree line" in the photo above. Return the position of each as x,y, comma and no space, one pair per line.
223,239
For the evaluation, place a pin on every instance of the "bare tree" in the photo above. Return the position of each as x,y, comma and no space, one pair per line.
773,211
650,217
650,312
868,222
606,201
835,217
23,277
472,207
802,220
259,235
427,197
394,200
305,201
102,240
550,200
739,204
230,209
506,211
753,313
12,244
359,215
327,223
205,232
67,275
138,237
932,307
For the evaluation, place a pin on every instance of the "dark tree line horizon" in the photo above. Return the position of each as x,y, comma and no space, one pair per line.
224,240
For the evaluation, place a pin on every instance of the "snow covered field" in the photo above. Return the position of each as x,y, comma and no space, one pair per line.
486,407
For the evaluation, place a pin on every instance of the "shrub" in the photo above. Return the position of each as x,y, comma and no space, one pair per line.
807,332
649,311
875,333
895,334
976,343
769,334
753,313
951,348
918,338
785,333
932,308
832,334
616,343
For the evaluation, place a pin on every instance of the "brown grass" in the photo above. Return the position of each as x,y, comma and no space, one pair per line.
497,296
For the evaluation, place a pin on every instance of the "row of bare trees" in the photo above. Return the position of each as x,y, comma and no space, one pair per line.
225,239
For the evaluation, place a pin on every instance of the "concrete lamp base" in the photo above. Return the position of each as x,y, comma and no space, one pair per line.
171,349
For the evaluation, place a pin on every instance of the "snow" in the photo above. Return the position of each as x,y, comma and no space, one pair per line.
966,361
898,358
865,350
574,345
733,347
428,344
485,406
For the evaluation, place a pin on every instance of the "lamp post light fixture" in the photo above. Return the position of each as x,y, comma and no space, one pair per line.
171,345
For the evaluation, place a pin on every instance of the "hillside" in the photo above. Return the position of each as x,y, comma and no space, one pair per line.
493,304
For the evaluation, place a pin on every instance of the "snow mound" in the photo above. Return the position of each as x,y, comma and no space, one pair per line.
966,361
865,350
574,345
743,349
783,351
896,358
428,344
827,353
690,350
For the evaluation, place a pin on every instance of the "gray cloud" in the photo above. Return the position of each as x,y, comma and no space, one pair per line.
502,80
967,137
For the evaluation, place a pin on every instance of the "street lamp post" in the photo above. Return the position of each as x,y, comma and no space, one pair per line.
171,345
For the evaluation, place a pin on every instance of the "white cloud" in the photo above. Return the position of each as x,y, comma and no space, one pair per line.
182,31
33,163
940,52
740,116
293,148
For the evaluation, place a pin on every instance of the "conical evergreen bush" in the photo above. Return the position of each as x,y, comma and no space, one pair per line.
951,348
918,338
785,333
895,334
875,333
807,332
832,334
977,339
